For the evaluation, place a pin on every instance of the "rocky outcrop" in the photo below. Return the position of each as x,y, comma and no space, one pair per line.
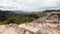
9,29
30,28
49,24
38,28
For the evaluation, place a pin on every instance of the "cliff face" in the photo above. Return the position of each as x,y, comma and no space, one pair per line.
49,24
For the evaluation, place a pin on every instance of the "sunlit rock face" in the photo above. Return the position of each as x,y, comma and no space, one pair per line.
41,28
49,24
9,29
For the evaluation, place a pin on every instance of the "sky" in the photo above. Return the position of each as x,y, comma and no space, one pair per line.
29,5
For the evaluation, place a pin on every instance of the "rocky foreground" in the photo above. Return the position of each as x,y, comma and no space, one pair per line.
49,24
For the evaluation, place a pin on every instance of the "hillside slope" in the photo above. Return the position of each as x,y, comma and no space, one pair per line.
49,24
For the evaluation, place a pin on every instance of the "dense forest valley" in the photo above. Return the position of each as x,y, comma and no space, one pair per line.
7,17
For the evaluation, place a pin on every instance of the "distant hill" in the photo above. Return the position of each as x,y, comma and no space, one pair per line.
48,11
26,12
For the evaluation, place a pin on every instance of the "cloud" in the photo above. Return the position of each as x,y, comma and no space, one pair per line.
29,5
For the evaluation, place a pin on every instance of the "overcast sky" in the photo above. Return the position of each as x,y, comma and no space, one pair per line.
29,5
